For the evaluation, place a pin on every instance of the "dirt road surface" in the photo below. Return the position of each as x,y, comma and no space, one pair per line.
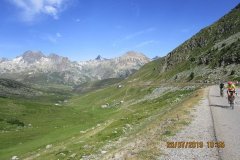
226,123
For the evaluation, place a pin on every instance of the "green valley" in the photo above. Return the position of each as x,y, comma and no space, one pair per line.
93,120
29,125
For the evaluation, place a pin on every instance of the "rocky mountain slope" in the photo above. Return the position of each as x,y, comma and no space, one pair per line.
38,68
212,54
11,88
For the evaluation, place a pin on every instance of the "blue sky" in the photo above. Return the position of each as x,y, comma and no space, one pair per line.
82,29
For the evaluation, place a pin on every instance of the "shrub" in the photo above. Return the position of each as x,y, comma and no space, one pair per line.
167,133
14,121
232,72
176,77
191,76
192,59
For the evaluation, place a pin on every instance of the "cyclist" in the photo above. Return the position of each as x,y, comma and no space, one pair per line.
221,88
231,88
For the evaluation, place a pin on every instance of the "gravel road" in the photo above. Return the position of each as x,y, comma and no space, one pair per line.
214,122
227,124
200,130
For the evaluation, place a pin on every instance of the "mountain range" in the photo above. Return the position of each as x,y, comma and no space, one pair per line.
34,66
211,54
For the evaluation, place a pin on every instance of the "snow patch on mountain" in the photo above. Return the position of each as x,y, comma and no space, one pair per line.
35,65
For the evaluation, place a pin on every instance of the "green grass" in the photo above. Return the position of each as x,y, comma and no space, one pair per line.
51,124
95,85
136,117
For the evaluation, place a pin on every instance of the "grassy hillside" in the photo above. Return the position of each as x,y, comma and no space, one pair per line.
12,88
93,119
94,85
210,55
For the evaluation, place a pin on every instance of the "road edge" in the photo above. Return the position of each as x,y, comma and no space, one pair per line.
213,122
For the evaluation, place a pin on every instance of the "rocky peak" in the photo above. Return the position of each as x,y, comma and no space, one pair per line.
100,58
58,59
32,56
54,56
156,57
132,55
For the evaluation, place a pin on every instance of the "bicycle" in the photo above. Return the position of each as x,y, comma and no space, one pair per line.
221,92
231,99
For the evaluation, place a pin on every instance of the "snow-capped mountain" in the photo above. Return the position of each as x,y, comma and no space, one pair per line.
36,67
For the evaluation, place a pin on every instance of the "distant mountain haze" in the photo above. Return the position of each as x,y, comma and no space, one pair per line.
34,66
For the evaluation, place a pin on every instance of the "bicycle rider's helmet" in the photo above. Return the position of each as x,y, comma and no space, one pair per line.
230,83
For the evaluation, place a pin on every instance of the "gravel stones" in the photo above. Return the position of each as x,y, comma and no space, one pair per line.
200,130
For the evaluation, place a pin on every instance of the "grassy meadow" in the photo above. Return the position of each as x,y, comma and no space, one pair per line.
78,125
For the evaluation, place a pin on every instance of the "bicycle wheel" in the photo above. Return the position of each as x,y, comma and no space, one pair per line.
231,99
232,105
221,92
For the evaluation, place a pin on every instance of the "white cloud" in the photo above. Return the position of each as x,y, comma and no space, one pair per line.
53,38
32,8
77,20
58,35
133,35
146,43
51,11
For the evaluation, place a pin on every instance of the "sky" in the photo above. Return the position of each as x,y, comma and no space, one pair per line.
83,29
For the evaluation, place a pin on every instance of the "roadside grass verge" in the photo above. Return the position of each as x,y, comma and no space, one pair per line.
170,123
152,132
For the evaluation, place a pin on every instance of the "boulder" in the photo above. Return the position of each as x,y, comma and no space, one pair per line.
73,155
103,152
14,158
48,146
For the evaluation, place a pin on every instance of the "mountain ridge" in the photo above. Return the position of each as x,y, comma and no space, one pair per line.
34,66
210,55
